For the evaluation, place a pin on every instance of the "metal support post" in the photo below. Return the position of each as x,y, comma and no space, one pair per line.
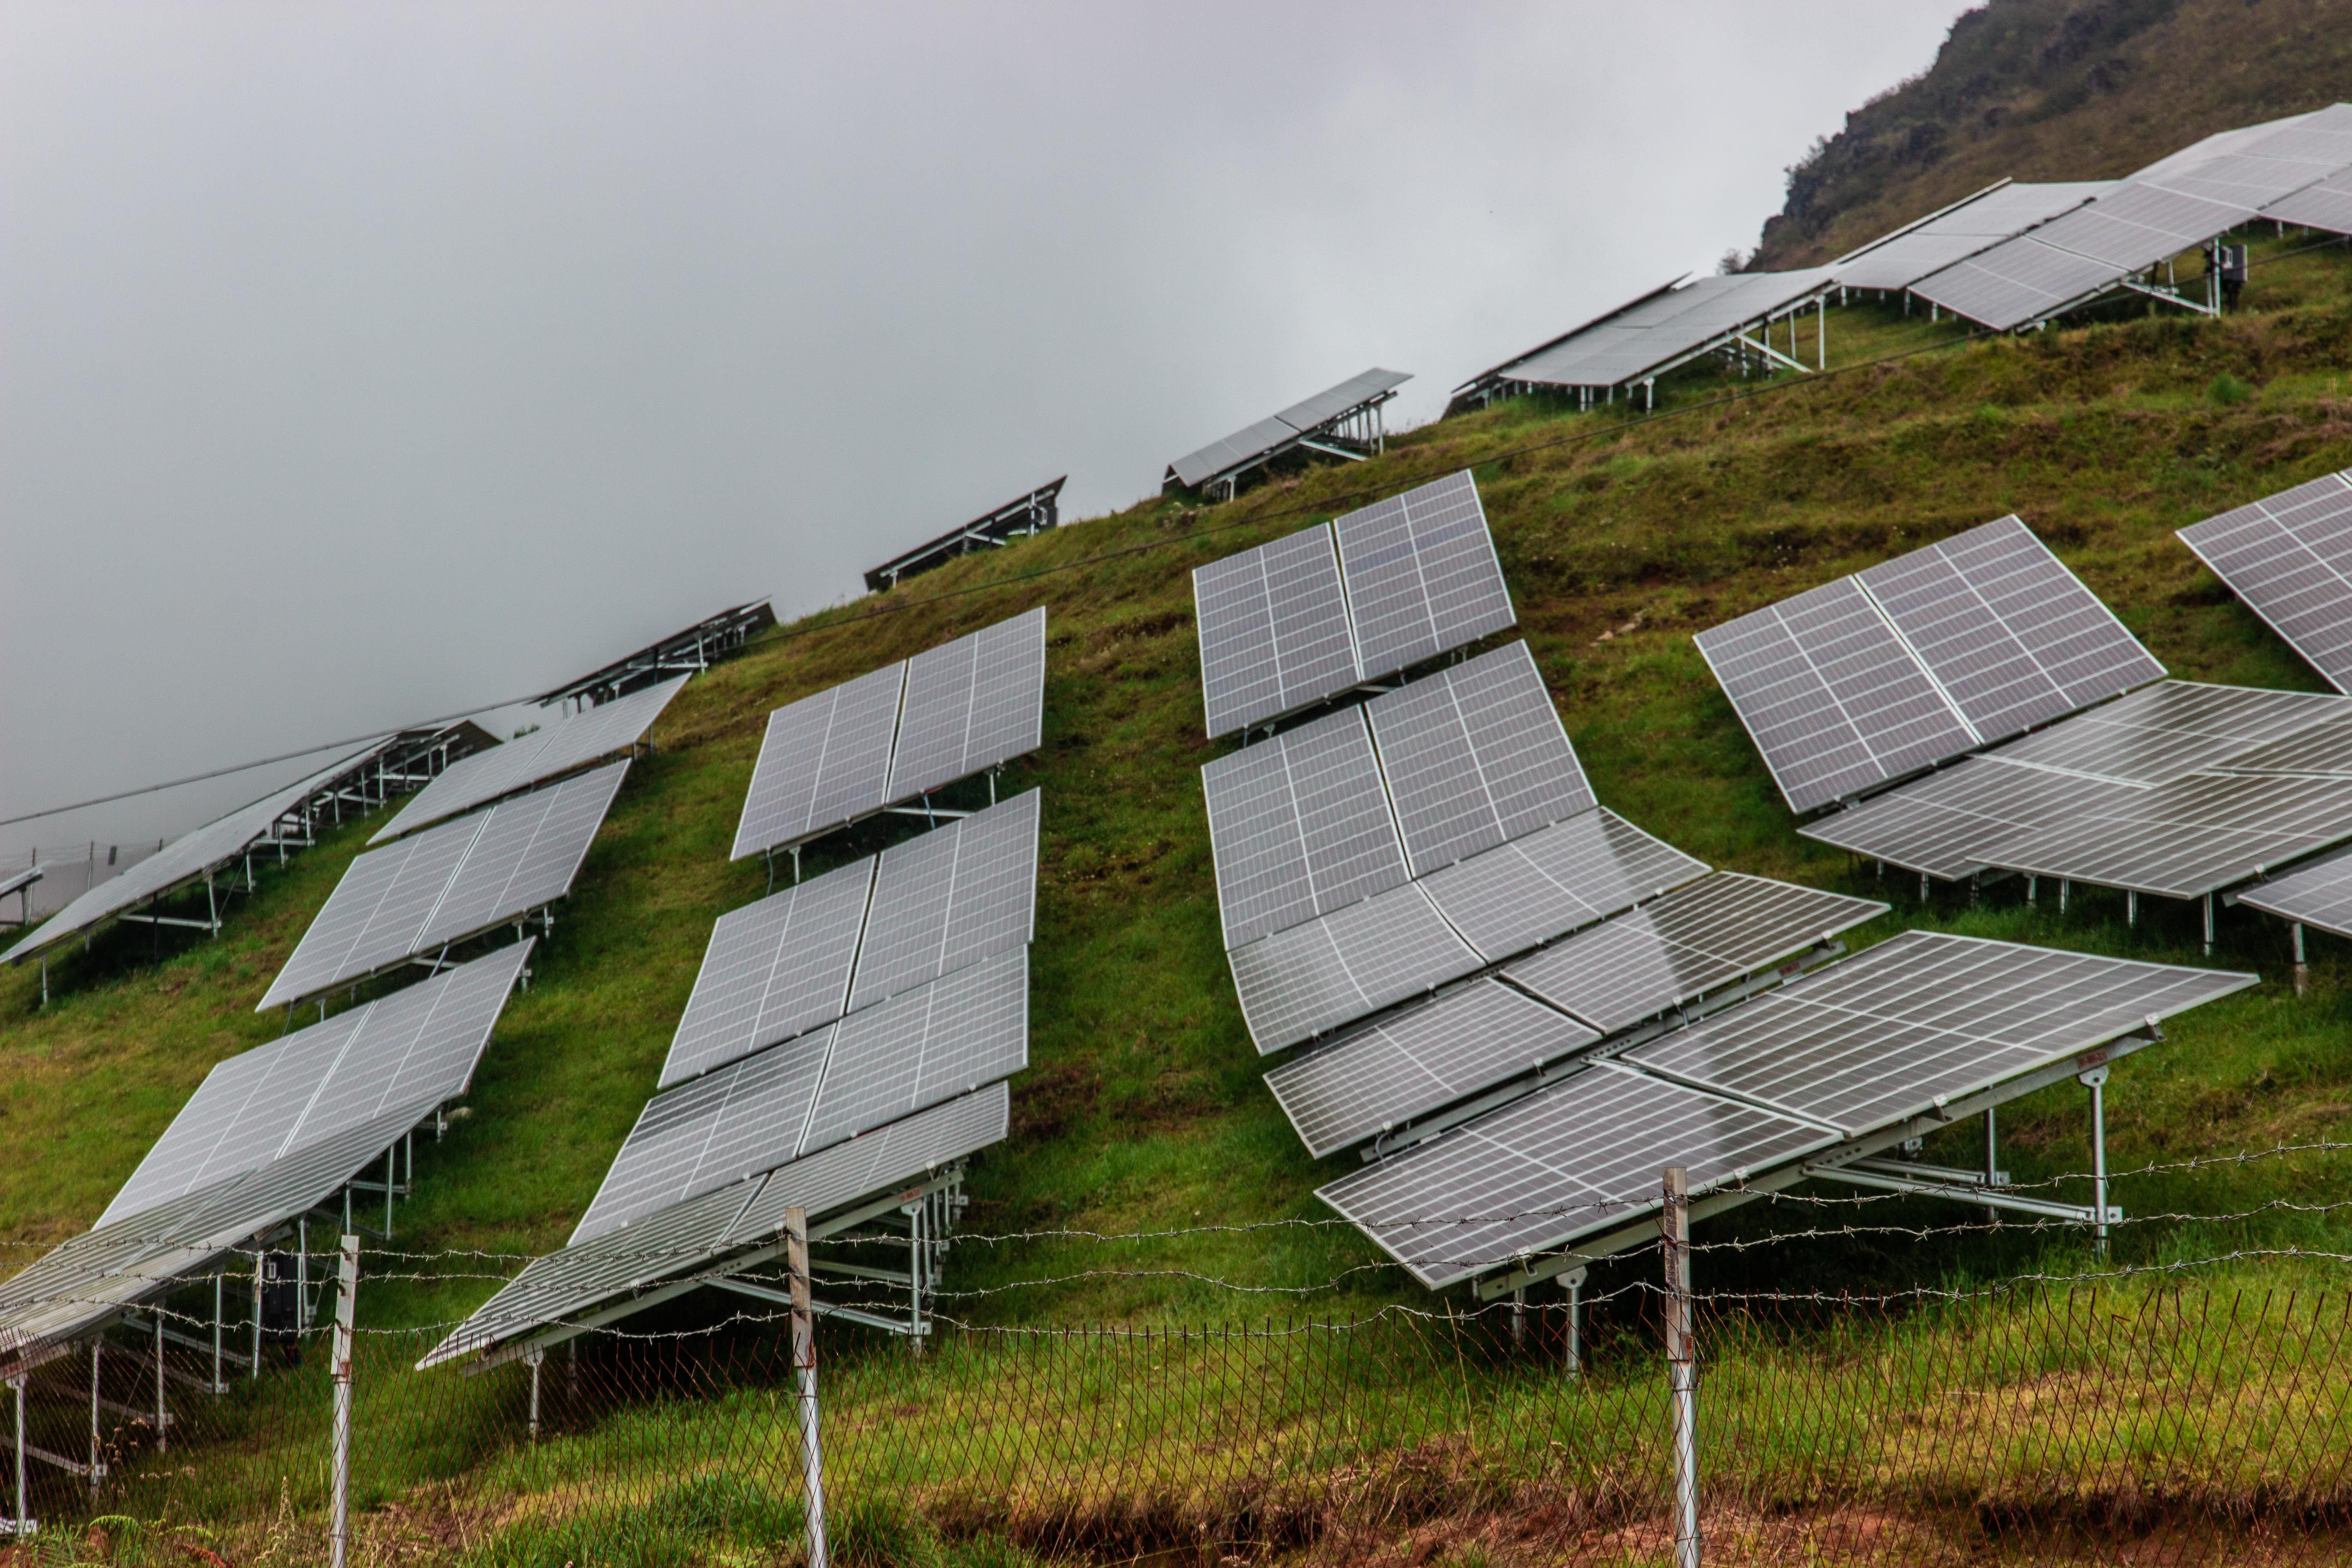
163,1416
1822,333
302,1274
220,1283
2065,886
796,1263
2302,974
24,1525
260,1279
96,1470
2208,925
1682,1371
1573,1283
347,1285
532,1358
388,1173
1922,887
1519,1319
2096,1080
2032,889
2131,905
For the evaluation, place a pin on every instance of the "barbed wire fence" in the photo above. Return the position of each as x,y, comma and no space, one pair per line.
2159,1409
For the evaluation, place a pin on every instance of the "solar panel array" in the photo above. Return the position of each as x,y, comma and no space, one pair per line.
1659,331
2173,206
2178,790
449,883
1266,437
803,957
193,854
550,751
1911,253
1860,1046
270,1135
1300,620
1862,681
896,733
2289,557
683,652
675,1241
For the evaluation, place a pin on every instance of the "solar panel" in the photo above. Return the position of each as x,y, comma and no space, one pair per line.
1580,1157
448,884
1309,414
2320,751
1370,1082
774,969
1552,881
1676,949
417,1044
1664,329
950,897
1830,694
549,751
2010,636
661,1245
190,856
970,704
1231,451
1312,978
903,1152
1922,1017
2193,836
2326,205
2318,895
1903,258
1475,755
735,1122
2171,729
2016,283
1267,437
1273,626
2289,557
825,761
1300,827
1963,820
923,1047
1421,574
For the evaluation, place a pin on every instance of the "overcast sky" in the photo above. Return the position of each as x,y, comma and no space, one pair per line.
360,362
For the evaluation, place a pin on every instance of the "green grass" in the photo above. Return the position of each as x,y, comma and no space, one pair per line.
1142,1108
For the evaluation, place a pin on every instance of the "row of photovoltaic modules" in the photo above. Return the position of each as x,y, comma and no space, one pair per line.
845,1036
896,735
1440,842
276,1131
1292,426
268,1136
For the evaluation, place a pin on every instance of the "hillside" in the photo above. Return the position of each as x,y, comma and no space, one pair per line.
2057,90
1143,1108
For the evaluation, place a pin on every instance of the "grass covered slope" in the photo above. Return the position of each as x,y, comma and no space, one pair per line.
1143,1108
2057,90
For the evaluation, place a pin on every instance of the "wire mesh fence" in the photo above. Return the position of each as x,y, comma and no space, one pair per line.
2101,1423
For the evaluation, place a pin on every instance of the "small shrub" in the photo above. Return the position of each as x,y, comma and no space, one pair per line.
2228,390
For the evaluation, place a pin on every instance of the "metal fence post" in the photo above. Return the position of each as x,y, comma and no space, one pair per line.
1682,1369
347,1284
796,1261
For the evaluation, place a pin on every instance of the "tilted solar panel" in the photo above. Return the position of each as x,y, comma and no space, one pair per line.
449,883
923,1047
1309,979
903,1151
1552,881
1421,574
1370,1082
1474,756
1676,949
549,751
2316,895
1580,1157
2326,205
1274,631
2320,751
1832,697
2289,557
1964,820
824,762
774,969
1310,413
417,1044
2170,730
2192,837
950,897
970,704
1923,1017
1300,825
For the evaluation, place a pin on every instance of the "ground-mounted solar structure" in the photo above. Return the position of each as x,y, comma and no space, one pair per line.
2289,557
546,755
1822,1079
1343,421
1864,681
844,1051
206,1250
218,856
895,736
2126,239
1737,320
1020,518
682,653
1315,613
412,901
1893,262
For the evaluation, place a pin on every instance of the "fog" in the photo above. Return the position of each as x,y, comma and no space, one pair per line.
363,363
